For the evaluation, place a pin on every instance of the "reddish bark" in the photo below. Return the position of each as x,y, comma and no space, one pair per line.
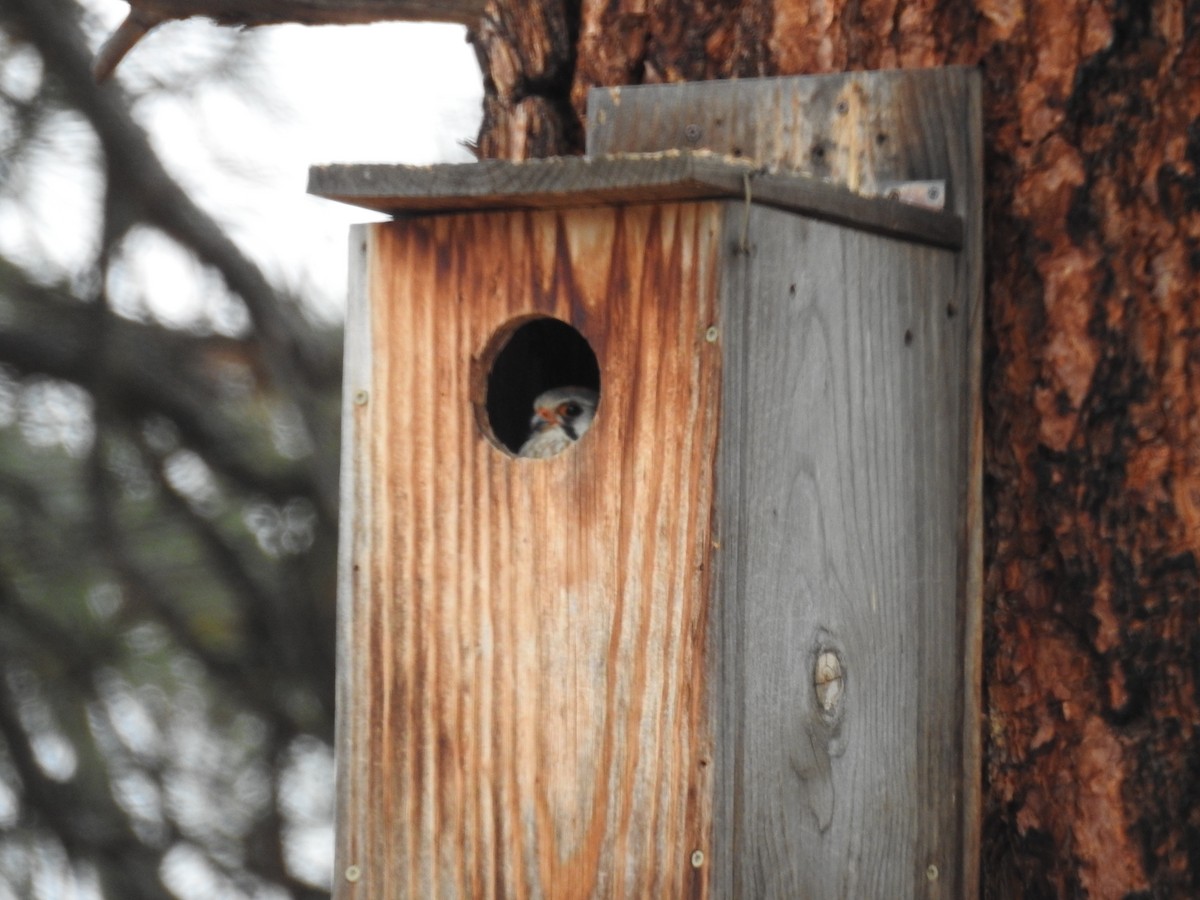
1092,380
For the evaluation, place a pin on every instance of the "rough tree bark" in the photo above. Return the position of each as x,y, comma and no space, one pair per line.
1092,118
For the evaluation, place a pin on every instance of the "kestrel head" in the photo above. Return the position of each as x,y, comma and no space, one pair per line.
560,416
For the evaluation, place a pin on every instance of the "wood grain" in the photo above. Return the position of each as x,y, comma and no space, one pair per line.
574,716
637,178
356,545
523,687
794,814
841,464
855,129
965,161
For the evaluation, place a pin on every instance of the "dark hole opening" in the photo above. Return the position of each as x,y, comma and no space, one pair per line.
541,354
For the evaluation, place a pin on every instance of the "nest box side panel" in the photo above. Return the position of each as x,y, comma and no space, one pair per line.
524,709
843,566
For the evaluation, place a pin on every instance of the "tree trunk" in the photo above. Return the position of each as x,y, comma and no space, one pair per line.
1092,604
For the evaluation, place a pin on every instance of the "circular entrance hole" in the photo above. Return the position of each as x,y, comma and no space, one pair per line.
529,357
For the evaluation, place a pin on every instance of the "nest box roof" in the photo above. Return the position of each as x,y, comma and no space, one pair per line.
623,179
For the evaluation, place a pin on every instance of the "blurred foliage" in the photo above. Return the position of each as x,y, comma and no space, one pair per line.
167,506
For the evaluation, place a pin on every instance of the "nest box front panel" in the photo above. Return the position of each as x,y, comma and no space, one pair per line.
523,710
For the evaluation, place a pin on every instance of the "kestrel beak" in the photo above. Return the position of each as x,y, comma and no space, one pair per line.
543,417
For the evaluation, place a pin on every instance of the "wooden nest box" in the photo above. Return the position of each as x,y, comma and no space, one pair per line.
726,644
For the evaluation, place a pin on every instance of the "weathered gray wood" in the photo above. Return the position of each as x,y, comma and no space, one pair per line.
638,178
965,163
840,469
359,478
857,129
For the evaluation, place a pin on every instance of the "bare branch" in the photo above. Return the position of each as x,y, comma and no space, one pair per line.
152,370
109,56
314,12
145,14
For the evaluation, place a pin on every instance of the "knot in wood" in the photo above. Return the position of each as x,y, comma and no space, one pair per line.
827,679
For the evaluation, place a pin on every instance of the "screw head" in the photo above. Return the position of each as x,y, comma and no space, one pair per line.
932,872
711,334
361,397
697,858
353,873
692,133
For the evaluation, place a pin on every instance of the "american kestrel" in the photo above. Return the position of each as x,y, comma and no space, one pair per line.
560,416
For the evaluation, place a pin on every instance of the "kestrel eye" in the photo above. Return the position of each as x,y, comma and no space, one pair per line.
572,409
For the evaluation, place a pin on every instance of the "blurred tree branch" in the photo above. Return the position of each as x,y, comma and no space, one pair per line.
292,356
152,370
168,545
126,866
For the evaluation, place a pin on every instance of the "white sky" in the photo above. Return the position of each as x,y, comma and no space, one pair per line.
381,93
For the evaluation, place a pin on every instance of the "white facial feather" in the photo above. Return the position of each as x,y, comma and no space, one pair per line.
560,417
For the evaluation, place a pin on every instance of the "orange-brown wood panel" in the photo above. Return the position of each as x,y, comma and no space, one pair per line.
524,707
